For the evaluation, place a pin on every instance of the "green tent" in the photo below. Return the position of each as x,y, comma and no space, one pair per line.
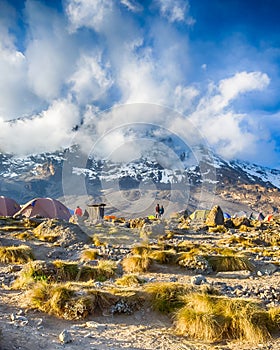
199,214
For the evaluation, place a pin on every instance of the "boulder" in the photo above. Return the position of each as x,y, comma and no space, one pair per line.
65,337
215,217
61,232
242,221
152,231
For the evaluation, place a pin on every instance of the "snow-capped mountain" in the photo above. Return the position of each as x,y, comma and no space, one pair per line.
189,178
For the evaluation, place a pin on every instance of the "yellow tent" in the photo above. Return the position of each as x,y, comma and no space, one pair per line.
199,214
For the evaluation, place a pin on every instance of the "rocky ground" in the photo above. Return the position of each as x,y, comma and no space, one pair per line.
143,328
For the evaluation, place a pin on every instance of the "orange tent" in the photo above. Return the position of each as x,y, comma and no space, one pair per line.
46,208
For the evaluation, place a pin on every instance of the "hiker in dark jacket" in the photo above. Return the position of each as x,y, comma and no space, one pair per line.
161,211
157,211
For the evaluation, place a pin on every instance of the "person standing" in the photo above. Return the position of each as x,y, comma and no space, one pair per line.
157,210
161,211
78,211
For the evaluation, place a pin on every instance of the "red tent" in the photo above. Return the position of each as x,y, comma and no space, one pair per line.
46,208
8,206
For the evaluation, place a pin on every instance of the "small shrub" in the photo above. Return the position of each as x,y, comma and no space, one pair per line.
66,271
16,255
224,251
136,263
128,281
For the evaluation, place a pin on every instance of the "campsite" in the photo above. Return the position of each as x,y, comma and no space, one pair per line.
107,282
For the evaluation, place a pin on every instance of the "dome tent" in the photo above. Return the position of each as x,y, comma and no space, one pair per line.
199,214
8,206
46,208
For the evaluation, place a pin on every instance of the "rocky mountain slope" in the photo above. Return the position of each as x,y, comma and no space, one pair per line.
199,179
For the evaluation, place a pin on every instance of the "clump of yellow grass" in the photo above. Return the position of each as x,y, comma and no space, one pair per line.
214,318
16,255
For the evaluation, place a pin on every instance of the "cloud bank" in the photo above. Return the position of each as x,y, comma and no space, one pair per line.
74,63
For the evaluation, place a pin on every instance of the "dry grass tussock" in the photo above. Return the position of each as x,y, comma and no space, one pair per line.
163,256
142,249
129,280
89,254
215,318
166,296
65,300
222,263
16,255
24,236
97,241
241,241
217,229
136,263
62,271
73,301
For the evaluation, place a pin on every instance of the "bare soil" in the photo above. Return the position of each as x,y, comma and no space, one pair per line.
144,329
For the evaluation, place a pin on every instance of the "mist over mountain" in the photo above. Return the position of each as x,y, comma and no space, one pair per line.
132,178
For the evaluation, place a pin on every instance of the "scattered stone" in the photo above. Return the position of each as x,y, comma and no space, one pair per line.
267,269
96,325
121,307
65,337
234,274
198,280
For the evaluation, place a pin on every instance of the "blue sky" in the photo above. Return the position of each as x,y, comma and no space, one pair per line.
214,62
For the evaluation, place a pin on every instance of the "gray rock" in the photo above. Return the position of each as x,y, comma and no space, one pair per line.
65,337
198,280
267,269
234,274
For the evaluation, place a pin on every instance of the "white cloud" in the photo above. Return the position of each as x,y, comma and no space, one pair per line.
50,53
176,11
224,129
132,5
49,131
241,83
88,13
115,60
229,89
91,80
184,98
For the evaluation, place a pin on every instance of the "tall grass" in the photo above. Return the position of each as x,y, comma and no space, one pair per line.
136,263
60,300
166,296
163,256
215,318
89,254
16,255
129,280
63,271
222,263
